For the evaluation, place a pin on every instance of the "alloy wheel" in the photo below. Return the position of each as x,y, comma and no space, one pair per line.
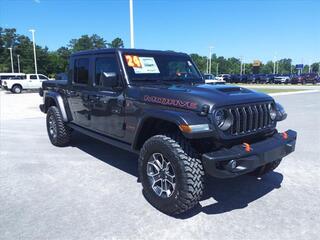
52,126
161,175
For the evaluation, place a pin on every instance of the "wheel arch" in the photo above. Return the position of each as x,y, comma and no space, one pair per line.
151,126
16,84
55,99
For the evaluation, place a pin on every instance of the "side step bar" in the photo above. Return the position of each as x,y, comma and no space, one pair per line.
103,138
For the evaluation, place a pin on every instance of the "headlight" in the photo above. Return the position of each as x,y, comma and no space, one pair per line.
223,119
280,112
272,111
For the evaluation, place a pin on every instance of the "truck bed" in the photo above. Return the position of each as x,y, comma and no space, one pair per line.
54,83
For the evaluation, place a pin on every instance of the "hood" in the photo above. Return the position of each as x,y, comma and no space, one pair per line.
193,97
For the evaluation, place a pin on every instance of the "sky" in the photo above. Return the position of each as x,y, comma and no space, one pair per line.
251,29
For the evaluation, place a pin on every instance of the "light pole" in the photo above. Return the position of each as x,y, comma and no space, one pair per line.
210,58
34,51
241,59
18,56
217,69
12,70
274,63
131,24
310,68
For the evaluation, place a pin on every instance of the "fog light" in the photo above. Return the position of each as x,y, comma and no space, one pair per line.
232,164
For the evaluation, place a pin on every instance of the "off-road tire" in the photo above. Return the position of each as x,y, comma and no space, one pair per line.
188,171
63,132
269,167
16,89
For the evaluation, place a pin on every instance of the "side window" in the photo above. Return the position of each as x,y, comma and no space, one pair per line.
107,65
33,76
43,77
81,71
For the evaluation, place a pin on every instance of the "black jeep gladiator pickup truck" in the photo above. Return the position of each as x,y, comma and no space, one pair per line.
155,103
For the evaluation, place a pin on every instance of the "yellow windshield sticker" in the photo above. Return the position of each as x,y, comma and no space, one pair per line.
133,61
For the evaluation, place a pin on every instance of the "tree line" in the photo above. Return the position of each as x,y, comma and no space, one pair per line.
48,62
233,65
53,62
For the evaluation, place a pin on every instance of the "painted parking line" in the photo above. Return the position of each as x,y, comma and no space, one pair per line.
292,93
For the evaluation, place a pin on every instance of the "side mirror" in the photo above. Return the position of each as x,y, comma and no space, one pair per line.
109,79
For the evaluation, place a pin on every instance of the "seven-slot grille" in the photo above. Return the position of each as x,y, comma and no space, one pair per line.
250,118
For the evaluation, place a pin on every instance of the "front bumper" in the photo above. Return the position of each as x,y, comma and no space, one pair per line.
218,163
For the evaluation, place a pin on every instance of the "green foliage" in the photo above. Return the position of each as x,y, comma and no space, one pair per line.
315,67
86,42
200,61
116,43
53,62
49,62
285,66
267,68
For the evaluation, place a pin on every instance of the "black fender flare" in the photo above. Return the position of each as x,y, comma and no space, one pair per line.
57,98
176,117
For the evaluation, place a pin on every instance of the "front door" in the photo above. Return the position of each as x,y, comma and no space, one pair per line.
107,104
33,81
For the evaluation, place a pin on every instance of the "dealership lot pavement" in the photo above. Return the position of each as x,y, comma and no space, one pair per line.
90,190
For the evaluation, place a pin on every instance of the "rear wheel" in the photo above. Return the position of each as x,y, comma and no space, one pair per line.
171,176
58,132
16,89
269,167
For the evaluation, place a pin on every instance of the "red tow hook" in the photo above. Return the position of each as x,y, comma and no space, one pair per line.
285,135
246,147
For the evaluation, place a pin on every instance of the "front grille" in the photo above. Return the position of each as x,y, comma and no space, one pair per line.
250,118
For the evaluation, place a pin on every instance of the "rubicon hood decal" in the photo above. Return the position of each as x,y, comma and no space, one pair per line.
171,102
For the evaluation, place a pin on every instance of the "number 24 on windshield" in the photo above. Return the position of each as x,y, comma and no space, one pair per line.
133,61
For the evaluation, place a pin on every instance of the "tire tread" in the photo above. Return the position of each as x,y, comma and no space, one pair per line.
192,170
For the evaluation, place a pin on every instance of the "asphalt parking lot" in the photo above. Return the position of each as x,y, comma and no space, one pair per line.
90,190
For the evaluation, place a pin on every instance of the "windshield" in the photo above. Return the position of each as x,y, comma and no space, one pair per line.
160,67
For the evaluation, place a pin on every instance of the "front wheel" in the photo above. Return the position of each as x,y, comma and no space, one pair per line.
58,132
171,176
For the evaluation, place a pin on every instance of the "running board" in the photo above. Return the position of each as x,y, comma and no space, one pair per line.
103,138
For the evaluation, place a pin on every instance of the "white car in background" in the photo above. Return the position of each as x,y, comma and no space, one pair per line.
211,79
282,79
30,81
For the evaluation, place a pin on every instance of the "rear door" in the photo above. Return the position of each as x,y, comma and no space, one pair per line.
78,91
107,104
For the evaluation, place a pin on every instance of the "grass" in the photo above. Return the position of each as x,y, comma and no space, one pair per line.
276,90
